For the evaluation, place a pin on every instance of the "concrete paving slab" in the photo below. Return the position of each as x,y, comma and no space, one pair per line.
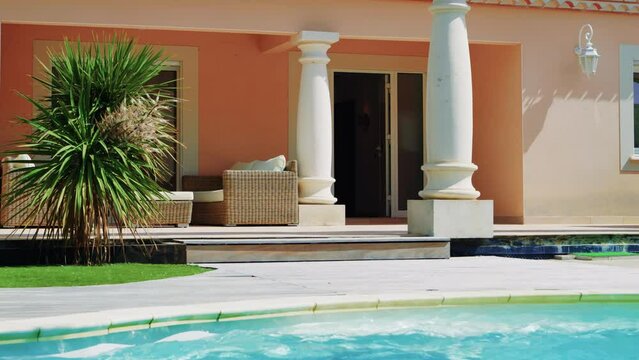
255,281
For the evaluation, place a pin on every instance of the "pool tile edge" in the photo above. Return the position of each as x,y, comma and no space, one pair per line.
86,325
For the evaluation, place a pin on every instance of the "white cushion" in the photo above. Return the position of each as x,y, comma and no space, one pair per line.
242,166
208,196
179,195
277,163
23,157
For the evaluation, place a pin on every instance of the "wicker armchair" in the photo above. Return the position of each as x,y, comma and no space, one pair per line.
14,214
251,197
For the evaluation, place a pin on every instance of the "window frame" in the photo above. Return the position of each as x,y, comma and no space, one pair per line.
176,66
186,57
628,65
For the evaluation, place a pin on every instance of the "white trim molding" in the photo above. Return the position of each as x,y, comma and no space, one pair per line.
628,62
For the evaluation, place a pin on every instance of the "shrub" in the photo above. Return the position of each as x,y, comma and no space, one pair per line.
100,137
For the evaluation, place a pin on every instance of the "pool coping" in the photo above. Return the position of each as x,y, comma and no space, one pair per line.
111,321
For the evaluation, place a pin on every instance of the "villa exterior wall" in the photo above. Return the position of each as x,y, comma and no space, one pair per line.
570,123
497,128
242,94
232,72
567,167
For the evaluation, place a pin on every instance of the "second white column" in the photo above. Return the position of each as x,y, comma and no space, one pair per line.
449,99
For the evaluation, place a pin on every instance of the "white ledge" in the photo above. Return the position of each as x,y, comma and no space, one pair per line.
315,37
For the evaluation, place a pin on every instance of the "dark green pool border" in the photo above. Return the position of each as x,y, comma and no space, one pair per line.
544,246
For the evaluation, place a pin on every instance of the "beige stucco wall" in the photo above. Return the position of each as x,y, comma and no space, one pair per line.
570,124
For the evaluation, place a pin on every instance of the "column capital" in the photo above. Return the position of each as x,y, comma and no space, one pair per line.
440,6
315,37
314,46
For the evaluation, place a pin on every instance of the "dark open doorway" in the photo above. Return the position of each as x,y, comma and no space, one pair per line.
360,143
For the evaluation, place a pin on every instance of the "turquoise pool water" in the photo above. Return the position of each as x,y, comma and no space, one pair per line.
574,331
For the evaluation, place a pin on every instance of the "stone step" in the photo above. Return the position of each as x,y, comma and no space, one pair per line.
316,249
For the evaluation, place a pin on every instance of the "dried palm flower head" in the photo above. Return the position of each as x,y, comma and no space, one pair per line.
142,121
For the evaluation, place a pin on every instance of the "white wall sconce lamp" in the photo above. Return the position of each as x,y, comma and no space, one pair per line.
588,55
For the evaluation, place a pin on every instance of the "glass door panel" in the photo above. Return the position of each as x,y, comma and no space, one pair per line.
410,148
359,134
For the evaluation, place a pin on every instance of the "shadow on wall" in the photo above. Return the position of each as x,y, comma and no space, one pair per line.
566,128
558,97
586,109
571,139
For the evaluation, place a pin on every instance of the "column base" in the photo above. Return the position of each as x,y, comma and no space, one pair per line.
451,218
449,180
322,215
314,190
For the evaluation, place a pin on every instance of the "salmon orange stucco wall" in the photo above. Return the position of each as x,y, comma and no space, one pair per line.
243,93
243,100
497,128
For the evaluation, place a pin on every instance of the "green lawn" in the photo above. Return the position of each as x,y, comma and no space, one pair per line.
606,254
44,276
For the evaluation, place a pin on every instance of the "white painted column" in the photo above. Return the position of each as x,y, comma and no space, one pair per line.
314,119
449,103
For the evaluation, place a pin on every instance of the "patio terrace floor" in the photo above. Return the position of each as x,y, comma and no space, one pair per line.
266,282
273,282
356,230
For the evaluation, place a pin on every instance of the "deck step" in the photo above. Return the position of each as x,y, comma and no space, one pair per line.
316,249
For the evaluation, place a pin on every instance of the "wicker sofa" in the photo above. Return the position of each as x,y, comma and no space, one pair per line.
14,214
250,197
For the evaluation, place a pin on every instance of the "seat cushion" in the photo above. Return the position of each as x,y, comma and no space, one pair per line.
277,163
208,196
179,195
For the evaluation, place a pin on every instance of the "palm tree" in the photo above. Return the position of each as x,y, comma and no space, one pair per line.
102,138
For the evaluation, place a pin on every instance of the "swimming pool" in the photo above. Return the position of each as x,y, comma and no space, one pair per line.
568,331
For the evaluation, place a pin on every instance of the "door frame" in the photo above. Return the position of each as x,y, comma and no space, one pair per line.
392,127
349,63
